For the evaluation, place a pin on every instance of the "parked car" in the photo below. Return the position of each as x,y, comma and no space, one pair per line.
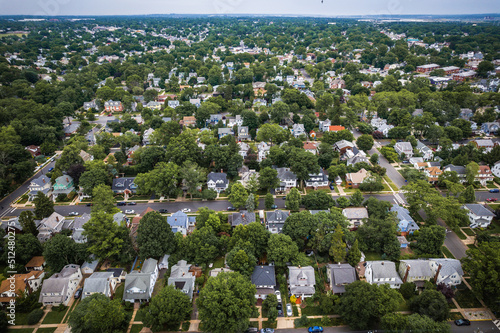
315,329
163,211
280,309
462,322
73,214
252,330
90,204
129,211
494,190
284,198
267,330
132,203
186,210
289,311
50,169
274,206
121,203
332,186
278,295
491,199
78,293
231,208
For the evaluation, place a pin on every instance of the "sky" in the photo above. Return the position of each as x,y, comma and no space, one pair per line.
284,7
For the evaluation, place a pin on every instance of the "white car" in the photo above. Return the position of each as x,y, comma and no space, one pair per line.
186,210
129,211
73,214
289,311
278,295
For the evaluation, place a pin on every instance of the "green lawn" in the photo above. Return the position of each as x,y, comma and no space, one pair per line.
139,316
447,252
372,256
21,319
22,330
465,298
219,262
468,231
54,317
119,292
136,328
459,233
268,324
455,316
46,330
391,183
75,303
313,310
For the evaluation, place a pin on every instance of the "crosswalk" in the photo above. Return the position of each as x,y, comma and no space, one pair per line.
497,323
8,211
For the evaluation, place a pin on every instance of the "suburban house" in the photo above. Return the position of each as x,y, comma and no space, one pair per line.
406,224
486,144
99,283
276,220
287,179
130,154
89,266
215,118
188,121
154,105
163,264
496,169
217,181
433,174
78,228
382,272
324,125
490,128
376,122
263,151
124,185
40,184
298,130
415,270
113,106
404,148
301,281
447,271
51,225
479,215
63,185
12,225
384,129
355,216
343,145
460,170
231,121
243,133
60,287
311,147
139,285
146,136
223,131
36,263
195,101
246,175
119,274
317,180
90,105
484,175
241,218
354,179
216,271
33,150
19,284
339,276
173,104
264,279
181,278
359,157
427,153
244,147
180,222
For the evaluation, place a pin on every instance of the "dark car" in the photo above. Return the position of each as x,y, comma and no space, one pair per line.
284,198
90,204
132,203
315,329
274,206
231,208
494,190
121,203
252,330
332,187
462,322
50,169
280,309
78,293
162,211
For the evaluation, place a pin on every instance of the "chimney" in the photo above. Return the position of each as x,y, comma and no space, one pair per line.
221,170
43,180
437,273
57,218
67,180
406,274
382,263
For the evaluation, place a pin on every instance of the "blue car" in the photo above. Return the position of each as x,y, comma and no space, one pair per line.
495,190
315,329
50,169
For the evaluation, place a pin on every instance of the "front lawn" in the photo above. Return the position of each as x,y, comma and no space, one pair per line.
466,298
219,262
447,252
268,324
119,292
54,317
455,316
468,231
136,328
312,310
23,330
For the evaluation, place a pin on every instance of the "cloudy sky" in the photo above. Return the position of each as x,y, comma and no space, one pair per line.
301,7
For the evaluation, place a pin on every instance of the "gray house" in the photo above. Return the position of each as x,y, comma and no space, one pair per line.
40,184
181,278
301,281
241,218
276,220
122,184
339,276
139,285
99,283
243,133
217,181
59,288
264,279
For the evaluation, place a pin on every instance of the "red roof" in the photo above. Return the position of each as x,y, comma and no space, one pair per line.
336,128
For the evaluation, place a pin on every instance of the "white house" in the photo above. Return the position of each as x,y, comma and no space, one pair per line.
263,151
447,271
298,130
426,152
40,184
324,125
60,287
217,181
139,285
404,148
382,272
146,137
301,281
479,215
99,283
287,179
181,222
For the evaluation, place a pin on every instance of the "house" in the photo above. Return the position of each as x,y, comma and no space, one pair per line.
324,125
139,285
63,185
486,144
246,176
33,150
484,175
382,272
311,147
60,287
243,133
231,121
415,270
460,170
181,278
163,264
49,226
415,162
406,224
490,127
40,184
78,230
154,105
404,148
113,106
427,153
376,122
195,101
287,179
36,263
342,146
360,157
11,225
99,283
124,185
119,274
180,222
355,216
262,151
433,174
354,179
427,68
188,121
466,114
264,279
403,242
384,129
340,275
89,267
496,169
85,156
71,128
146,136
479,215
215,118
276,220
217,181
301,281
298,130
317,180
18,285
173,104
90,105
447,271
241,218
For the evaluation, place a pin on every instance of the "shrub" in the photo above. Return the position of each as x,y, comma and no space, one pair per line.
208,194
302,321
34,316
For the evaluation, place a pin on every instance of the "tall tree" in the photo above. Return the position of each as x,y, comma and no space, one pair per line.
356,199
430,240
471,171
162,180
338,246
154,236
103,200
242,261
102,236
292,201
238,195
300,227
268,178
431,303
27,222
192,176
365,142
61,250
469,195
250,203
354,255
253,236
282,249
44,207
269,201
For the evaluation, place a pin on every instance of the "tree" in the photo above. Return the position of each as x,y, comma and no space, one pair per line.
97,313
354,254
167,309
408,290
226,303
27,246
253,236
272,132
431,303
269,306
102,234
69,157
238,195
363,304
374,159
92,178
203,246
396,322
250,203
483,266
27,222
469,195
292,201
242,261
317,200
162,180
303,164
300,227
365,142
338,246
44,207
372,184
279,111
356,199
471,171
281,249
268,178
269,201
193,177
343,202
103,200
61,250
253,184
430,240
154,236
484,67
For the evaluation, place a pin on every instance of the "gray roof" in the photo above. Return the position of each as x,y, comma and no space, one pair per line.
149,265
140,281
285,173
384,270
181,278
40,181
180,269
241,218
341,275
58,283
449,266
180,219
218,176
81,220
301,275
479,210
344,144
123,183
264,276
404,146
418,267
97,283
355,213
92,265
277,216
457,168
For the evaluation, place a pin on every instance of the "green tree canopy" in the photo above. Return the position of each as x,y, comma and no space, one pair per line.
154,236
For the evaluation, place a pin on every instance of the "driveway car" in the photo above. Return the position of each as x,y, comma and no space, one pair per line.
73,214
78,293
231,208
289,311
132,203
129,211
278,295
186,210
315,329
274,206
163,211
462,322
